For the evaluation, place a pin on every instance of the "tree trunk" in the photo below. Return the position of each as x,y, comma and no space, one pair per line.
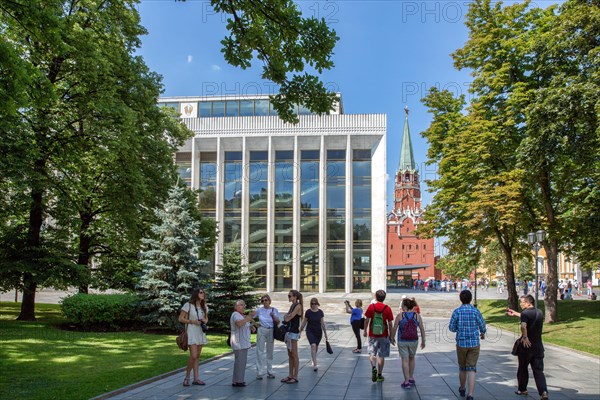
36,212
28,301
511,287
551,300
551,247
85,242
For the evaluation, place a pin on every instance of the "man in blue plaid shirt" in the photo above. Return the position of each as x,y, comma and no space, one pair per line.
469,326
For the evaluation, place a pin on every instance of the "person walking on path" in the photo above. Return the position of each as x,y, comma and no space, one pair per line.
293,319
532,322
240,341
469,326
356,322
193,314
406,324
589,288
378,327
267,318
314,322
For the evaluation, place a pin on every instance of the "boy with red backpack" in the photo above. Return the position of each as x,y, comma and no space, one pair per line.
378,326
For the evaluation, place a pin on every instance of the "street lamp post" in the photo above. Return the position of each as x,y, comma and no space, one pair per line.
536,239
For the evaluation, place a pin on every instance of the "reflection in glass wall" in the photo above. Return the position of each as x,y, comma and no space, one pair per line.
335,262
232,204
309,220
258,175
207,198
184,170
361,216
284,188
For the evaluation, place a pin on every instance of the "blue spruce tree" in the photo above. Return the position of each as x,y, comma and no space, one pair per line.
171,267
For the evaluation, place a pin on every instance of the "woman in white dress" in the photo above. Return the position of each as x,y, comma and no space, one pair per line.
193,313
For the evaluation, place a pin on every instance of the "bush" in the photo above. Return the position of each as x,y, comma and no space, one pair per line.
101,311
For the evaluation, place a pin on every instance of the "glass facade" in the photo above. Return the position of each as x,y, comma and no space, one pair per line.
335,261
258,177
236,108
361,219
284,246
232,207
309,220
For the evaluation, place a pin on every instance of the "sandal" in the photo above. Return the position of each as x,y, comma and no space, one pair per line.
544,396
186,382
287,378
198,382
292,380
521,393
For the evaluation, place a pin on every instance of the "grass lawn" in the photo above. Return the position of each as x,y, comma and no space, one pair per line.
40,361
578,327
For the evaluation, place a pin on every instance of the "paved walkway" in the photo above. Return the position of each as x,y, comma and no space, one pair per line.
345,375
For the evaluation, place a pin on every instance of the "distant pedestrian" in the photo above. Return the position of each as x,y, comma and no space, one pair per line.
406,324
240,323
543,286
469,326
589,287
378,327
314,322
293,318
356,319
525,286
532,322
193,314
268,316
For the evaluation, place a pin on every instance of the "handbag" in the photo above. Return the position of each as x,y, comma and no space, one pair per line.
182,339
517,347
279,332
328,347
362,323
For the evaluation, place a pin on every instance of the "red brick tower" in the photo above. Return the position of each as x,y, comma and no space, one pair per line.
408,257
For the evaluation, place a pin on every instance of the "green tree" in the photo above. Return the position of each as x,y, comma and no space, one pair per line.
533,125
170,260
477,194
231,283
275,32
455,267
85,92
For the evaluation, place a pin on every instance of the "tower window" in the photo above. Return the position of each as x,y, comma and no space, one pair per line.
392,247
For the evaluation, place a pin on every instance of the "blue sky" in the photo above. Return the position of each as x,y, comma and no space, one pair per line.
388,56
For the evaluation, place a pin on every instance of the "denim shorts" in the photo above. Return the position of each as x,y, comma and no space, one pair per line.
294,336
379,346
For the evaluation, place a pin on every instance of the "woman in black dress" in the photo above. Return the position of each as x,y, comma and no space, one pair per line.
314,321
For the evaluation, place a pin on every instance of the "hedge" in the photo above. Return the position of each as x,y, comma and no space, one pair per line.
101,311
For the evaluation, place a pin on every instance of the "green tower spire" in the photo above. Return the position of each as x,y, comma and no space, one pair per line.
407,159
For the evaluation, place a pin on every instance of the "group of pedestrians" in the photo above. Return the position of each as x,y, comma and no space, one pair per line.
380,326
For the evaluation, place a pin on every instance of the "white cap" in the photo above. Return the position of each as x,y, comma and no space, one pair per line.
404,296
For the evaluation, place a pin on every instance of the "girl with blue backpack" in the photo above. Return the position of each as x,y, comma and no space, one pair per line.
407,324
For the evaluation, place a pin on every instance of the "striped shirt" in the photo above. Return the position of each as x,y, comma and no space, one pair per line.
468,323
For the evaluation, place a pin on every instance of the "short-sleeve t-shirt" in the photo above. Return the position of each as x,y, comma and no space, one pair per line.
356,314
535,322
387,316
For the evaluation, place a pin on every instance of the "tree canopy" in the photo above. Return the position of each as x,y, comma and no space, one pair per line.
524,153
